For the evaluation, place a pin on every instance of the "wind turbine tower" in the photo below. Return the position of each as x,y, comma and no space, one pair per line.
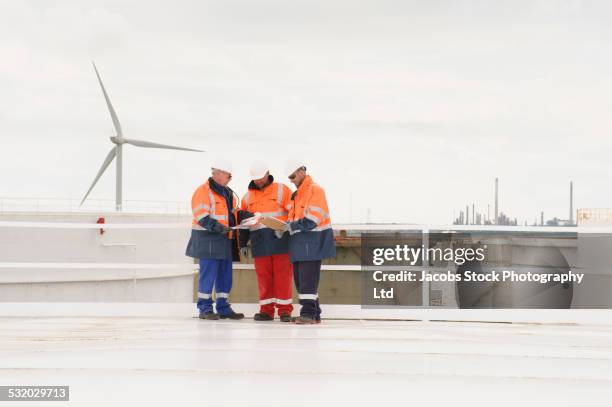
117,151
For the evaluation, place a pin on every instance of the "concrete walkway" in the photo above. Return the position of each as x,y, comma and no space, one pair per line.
133,360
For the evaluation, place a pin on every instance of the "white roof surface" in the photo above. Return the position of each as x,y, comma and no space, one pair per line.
179,359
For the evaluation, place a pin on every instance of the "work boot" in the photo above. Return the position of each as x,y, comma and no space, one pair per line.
232,315
210,315
304,320
285,317
293,319
262,316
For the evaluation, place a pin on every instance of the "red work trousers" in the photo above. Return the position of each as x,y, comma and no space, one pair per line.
275,280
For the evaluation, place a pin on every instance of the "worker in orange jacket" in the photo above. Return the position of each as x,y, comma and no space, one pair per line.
311,239
213,241
270,249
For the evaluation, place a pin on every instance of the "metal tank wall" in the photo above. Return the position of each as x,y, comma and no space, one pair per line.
60,257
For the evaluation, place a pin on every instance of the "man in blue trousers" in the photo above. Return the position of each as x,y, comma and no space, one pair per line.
213,241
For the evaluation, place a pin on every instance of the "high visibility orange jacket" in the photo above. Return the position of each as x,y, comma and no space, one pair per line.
271,200
311,235
212,213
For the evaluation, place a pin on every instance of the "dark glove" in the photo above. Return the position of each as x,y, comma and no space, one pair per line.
242,215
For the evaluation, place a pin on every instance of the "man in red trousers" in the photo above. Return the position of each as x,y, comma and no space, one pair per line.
270,249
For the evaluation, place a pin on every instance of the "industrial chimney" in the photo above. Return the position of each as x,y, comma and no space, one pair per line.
496,201
571,208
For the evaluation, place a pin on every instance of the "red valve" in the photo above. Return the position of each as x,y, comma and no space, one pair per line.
101,221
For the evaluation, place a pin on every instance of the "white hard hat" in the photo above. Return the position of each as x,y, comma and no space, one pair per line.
222,164
258,169
292,165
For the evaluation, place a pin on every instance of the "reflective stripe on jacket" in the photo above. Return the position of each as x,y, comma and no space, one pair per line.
311,235
210,218
273,201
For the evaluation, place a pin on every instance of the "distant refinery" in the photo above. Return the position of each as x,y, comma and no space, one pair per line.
470,216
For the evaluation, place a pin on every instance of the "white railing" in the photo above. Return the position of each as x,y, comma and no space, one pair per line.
16,204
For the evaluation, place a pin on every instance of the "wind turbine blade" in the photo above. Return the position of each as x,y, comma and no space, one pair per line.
109,159
148,144
109,104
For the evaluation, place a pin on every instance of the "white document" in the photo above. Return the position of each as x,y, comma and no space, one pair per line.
247,223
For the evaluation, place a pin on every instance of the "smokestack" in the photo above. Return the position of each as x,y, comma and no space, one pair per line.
473,215
542,218
496,201
467,214
571,217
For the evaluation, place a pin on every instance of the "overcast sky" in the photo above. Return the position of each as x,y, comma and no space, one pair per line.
410,108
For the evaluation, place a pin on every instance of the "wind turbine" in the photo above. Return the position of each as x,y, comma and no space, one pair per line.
117,150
